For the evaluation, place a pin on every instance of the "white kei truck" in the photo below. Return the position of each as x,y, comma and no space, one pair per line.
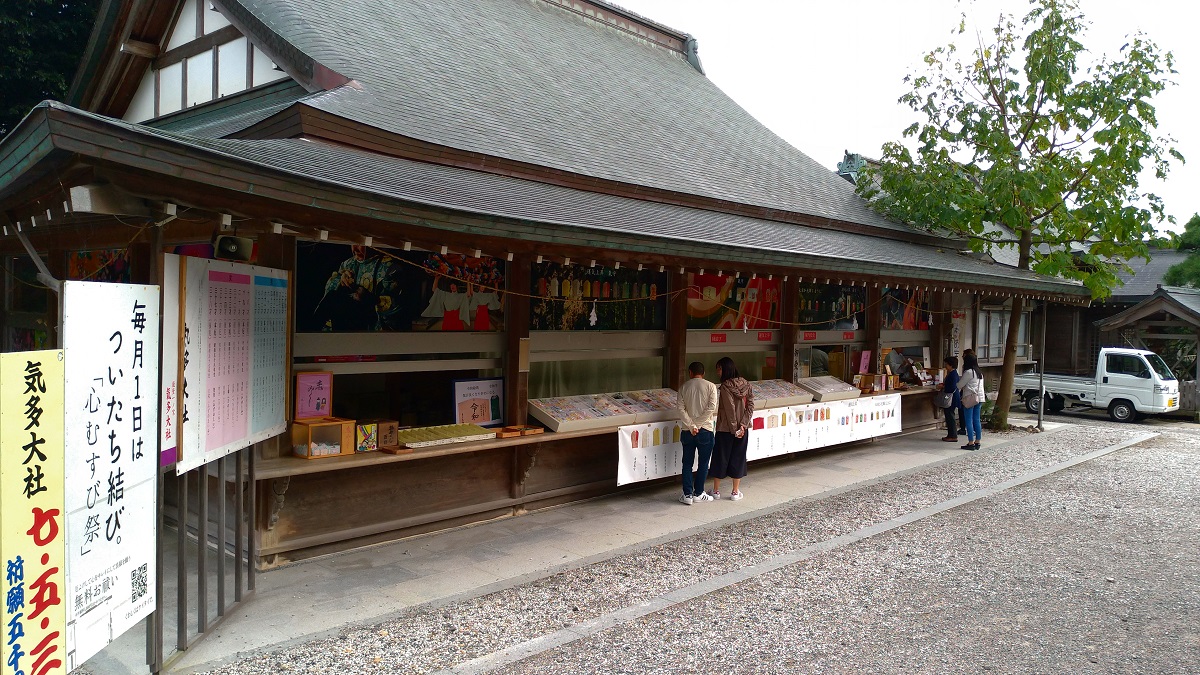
1128,383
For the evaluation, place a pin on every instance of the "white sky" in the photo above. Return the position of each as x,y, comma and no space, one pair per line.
826,76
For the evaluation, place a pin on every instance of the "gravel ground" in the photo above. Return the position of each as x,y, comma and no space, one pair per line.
1093,569
917,598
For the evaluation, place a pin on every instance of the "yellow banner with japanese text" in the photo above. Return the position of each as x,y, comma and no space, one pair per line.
32,506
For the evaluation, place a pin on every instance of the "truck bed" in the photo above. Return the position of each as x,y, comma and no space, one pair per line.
1056,383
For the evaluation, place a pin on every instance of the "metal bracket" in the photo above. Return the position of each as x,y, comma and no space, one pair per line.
279,487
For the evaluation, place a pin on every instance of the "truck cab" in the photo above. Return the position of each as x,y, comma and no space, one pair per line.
1139,376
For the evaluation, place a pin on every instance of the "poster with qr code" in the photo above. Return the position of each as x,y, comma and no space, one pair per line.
111,339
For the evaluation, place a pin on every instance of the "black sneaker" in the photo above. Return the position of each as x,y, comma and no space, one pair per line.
968,446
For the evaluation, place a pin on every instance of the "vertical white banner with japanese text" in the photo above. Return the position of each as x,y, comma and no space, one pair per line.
169,426
110,336
32,540
234,354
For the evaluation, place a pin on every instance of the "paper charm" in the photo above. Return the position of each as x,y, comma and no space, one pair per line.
745,325
592,318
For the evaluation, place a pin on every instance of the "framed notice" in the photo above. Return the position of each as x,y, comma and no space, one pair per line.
479,401
233,351
314,393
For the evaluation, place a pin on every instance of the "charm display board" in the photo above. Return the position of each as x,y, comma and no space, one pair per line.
651,451
777,393
596,411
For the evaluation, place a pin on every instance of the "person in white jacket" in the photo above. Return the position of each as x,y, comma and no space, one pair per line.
971,386
697,410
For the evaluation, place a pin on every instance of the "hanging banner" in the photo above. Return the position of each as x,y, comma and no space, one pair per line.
343,288
904,309
651,451
648,451
32,531
721,302
110,335
234,354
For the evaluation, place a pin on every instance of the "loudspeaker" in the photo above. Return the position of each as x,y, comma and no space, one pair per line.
237,249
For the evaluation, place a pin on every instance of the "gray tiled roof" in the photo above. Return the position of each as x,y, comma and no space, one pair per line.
489,194
1146,276
532,82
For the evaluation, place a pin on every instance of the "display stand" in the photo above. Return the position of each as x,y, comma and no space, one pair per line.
828,388
599,411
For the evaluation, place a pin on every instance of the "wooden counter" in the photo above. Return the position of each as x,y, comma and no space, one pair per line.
310,507
314,506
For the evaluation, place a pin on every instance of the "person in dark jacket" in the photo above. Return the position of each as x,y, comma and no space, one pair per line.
950,383
735,406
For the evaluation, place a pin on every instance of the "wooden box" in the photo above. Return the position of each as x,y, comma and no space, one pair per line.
519,430
322,437
385,431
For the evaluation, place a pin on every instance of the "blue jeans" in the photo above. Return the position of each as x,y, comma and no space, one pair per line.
702,442
974,425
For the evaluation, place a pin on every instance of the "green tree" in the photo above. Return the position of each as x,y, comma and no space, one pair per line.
41,42
1187,272
1023,145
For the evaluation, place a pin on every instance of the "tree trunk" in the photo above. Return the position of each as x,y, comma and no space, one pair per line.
1009,371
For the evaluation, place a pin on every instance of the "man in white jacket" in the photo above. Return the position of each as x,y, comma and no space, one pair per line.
697,410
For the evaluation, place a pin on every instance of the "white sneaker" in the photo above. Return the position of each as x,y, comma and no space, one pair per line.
716,494
735,496
686,499
702,497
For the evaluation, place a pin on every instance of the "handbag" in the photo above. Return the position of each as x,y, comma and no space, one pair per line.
970,398
944,399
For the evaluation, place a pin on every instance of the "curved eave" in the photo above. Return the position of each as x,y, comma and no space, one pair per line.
57,129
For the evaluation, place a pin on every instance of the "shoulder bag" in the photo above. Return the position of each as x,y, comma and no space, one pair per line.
944,399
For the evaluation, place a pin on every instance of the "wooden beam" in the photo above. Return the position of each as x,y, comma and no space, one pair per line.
788,313
140,49
874,324
516,352
675,358
197,46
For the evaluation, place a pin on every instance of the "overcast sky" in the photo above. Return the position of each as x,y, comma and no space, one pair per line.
826,75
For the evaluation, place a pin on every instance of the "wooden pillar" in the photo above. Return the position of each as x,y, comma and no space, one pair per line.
788,314
941,330
674,363
278,251
874,325
144,257
516,350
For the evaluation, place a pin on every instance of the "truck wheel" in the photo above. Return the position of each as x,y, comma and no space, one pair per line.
1033,403
1121,410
